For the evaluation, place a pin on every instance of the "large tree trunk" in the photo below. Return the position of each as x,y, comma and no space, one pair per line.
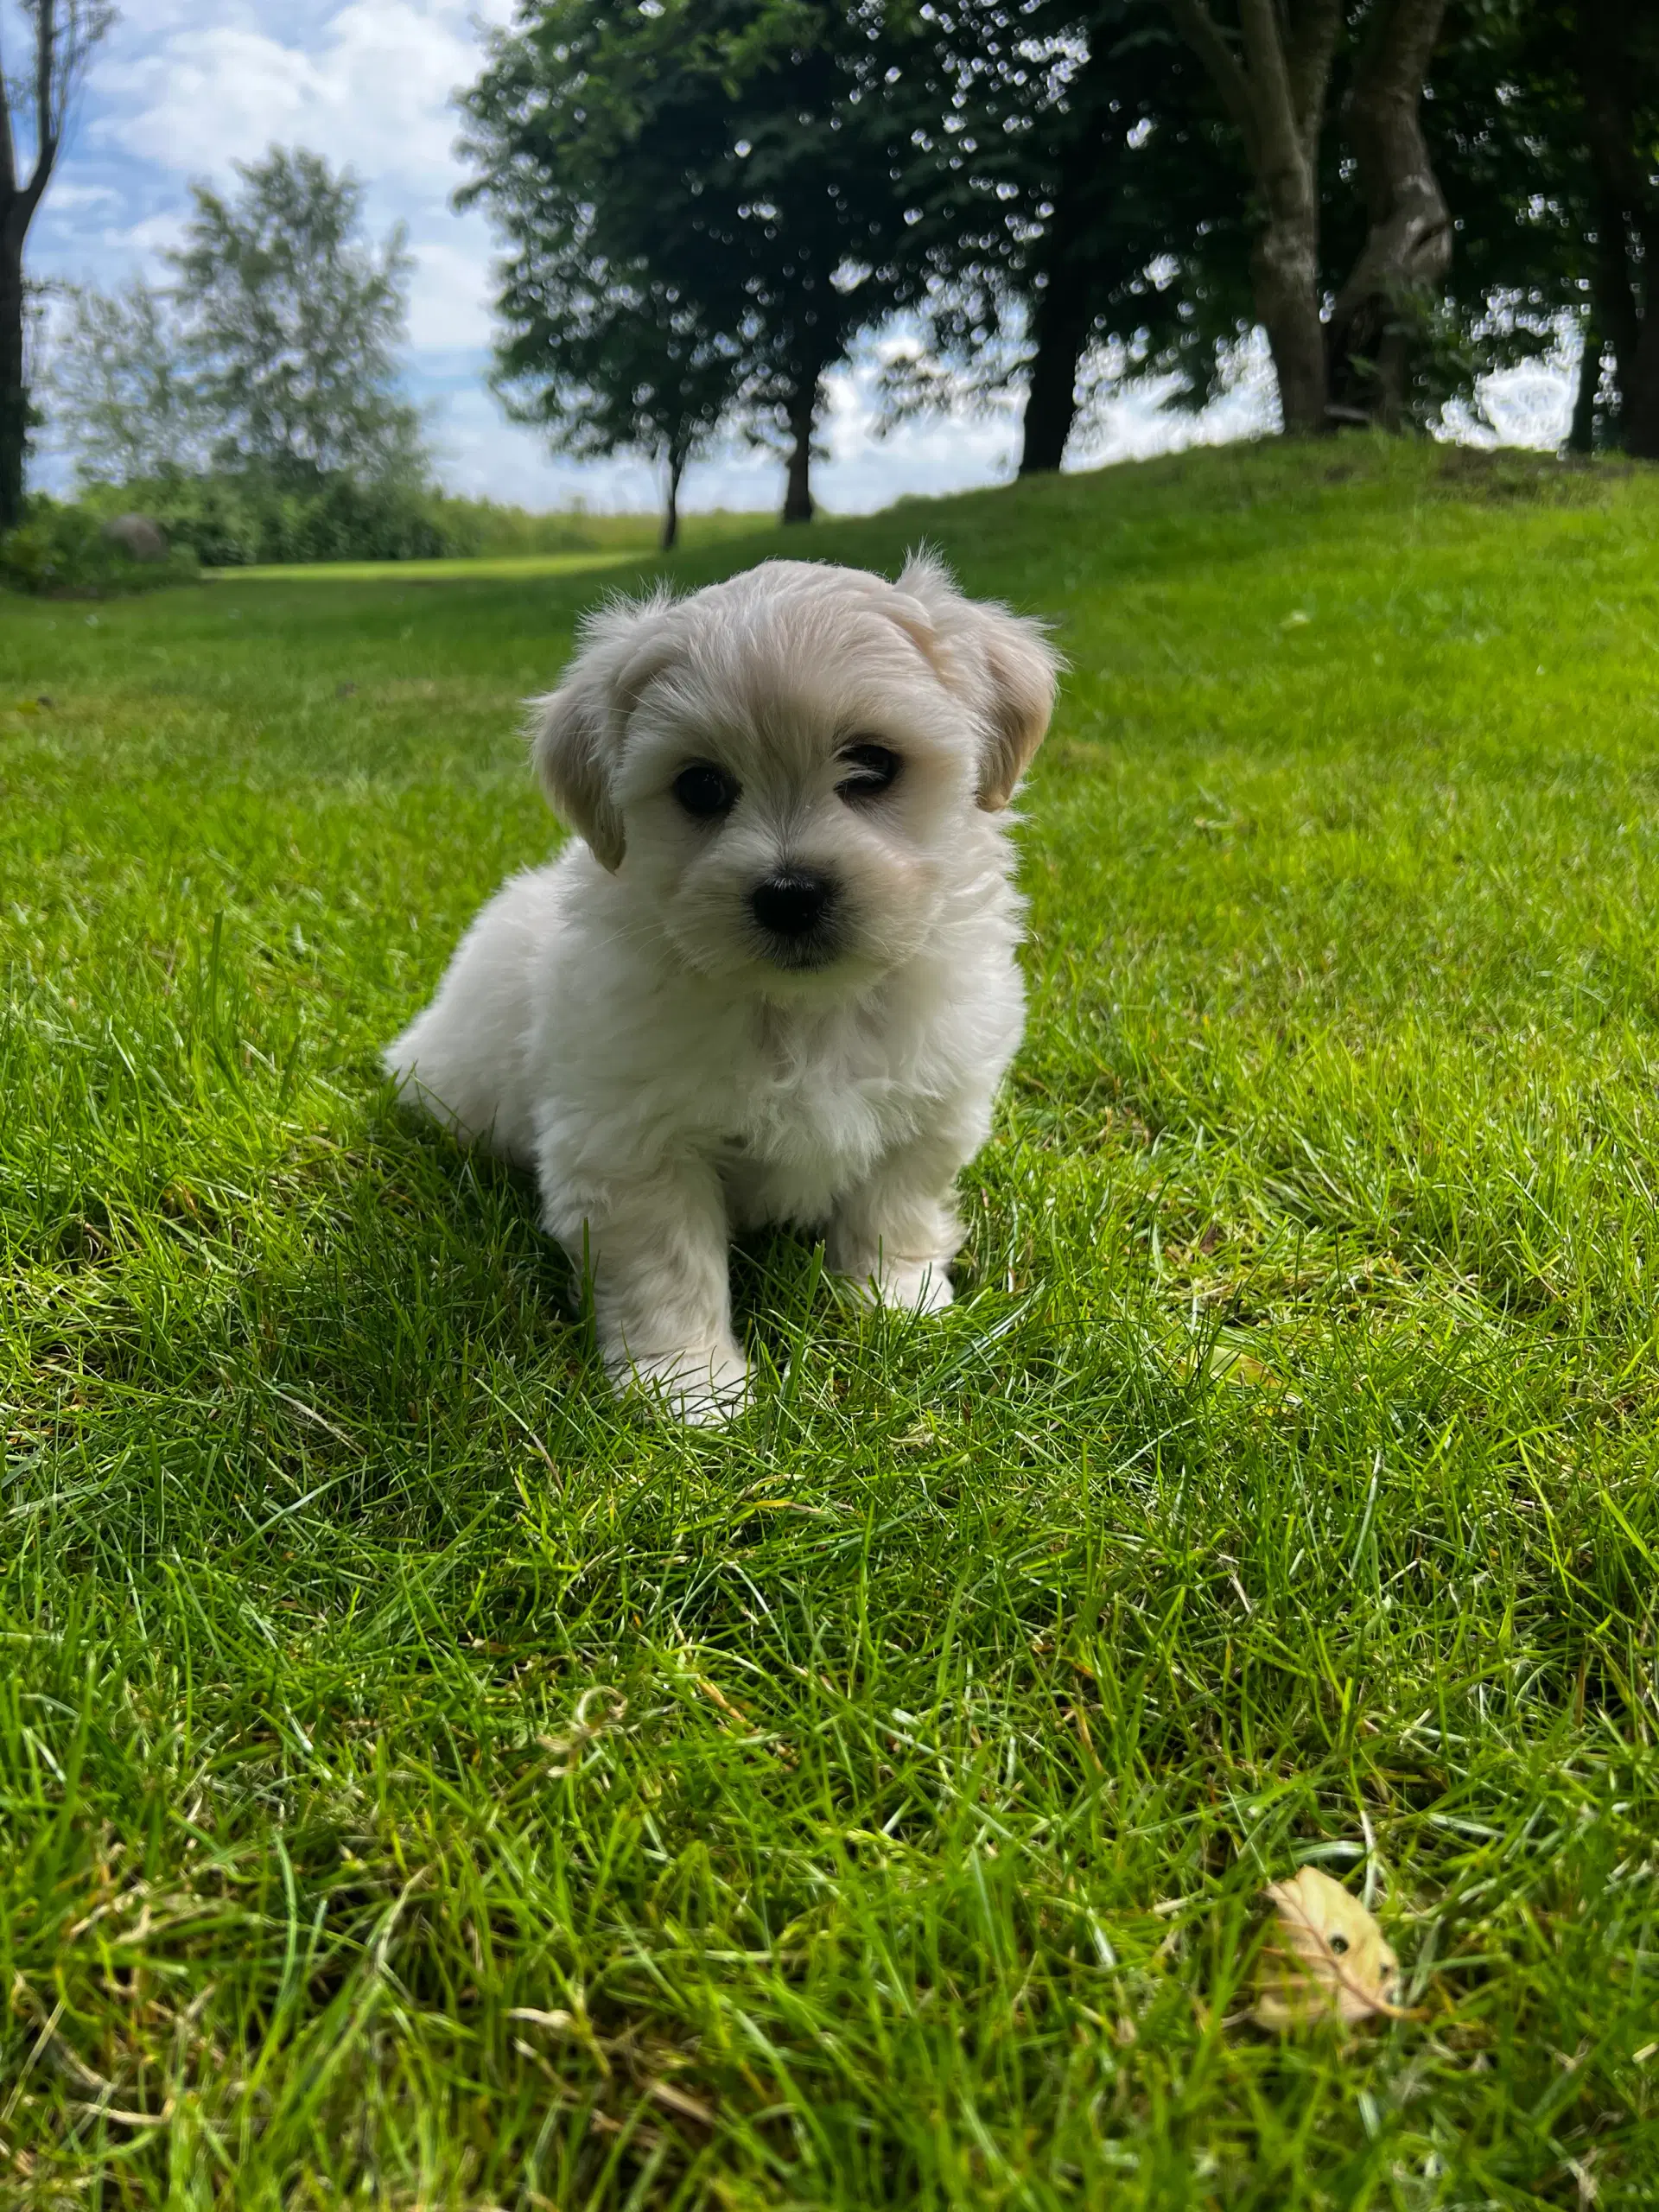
1581,436
1284,266
1276,97
1407,248
14,395
1614,289
1061,328
1061,313
1640,414
671,507
1627,217
60,40
803,418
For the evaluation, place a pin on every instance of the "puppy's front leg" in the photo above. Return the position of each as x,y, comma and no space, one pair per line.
658,1250
895,1234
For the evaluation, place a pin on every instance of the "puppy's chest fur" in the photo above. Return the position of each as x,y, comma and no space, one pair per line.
818,1100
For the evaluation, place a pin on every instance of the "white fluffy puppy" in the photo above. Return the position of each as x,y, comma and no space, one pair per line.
773,980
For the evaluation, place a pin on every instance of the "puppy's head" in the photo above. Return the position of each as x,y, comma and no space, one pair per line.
794,766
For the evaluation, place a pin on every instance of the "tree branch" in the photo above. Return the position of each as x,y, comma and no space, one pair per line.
1315,26
46,136
8,156
1281,149
1199,28
1394,61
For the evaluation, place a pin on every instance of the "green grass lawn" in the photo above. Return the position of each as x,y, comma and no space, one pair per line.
423,1785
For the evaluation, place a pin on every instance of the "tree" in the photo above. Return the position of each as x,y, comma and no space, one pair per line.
293,323
817,177
733,164
1275,78
60,36
1068,170
1091,200
1407,250
600,349
1616,56
121,398
623,368
1275,94
1136,179
1091,195
1549,226
1500,116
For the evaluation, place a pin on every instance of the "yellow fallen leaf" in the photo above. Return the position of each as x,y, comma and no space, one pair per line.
1225,1362
1325,1958
1242,1367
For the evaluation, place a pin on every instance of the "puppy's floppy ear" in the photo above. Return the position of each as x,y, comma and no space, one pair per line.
1001,662
576,731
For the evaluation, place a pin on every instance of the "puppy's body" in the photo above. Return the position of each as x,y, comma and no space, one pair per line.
567,1043
674,1068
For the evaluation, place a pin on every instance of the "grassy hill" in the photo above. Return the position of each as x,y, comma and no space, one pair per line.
421,1784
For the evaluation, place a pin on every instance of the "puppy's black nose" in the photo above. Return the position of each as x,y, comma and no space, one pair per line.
793,905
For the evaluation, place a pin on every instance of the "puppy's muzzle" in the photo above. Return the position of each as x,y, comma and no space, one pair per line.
794,912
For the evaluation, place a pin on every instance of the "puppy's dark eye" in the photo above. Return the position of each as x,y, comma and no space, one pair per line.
706,792
872,769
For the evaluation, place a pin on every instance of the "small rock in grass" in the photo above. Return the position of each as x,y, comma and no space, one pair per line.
137,536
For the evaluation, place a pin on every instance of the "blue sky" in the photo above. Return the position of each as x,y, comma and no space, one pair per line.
183,88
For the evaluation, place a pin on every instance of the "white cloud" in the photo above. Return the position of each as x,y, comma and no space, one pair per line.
449,304
373,89
69,196
146,240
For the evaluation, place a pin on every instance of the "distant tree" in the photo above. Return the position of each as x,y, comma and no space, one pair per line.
121,398
731,165
600,348
59,36
629,369
293,323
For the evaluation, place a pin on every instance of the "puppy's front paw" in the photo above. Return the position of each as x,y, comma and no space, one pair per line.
905,1286
702,1389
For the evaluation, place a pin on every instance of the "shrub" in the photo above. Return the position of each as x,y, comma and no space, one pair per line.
235,518
482,529
61,548
207,513
231,520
